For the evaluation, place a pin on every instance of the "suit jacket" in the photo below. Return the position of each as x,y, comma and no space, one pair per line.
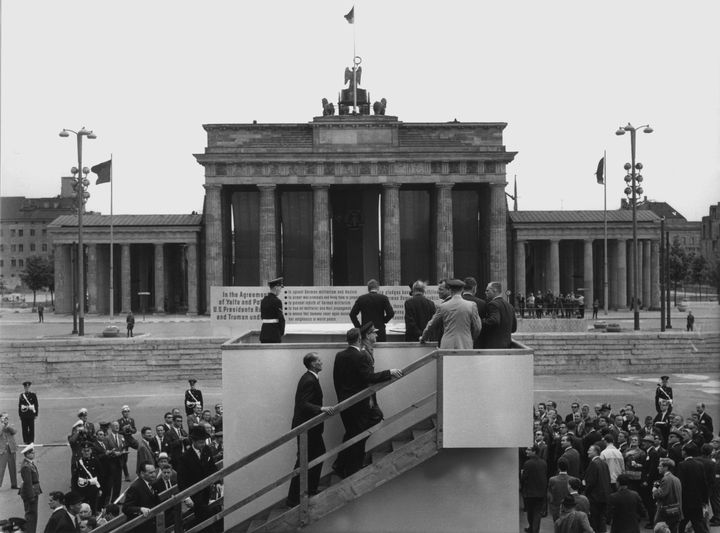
581,502
460,321
706,425
499,324
60,522
308,401
669,492
533,478
650,472
192,469
144,454
482,312
695,489
597,480
572,522
372,307
7,441
175,444
140,495
557,489
625,509
572,456
115,443
418,312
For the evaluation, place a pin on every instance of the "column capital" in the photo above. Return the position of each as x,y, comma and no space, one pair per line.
444,185
266,186
212,186
391,185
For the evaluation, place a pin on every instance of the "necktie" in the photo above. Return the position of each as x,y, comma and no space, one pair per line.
167,484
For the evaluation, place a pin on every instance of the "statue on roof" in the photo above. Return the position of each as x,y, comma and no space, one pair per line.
353,79
379,107
328,108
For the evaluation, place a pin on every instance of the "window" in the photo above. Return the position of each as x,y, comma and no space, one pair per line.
2,263
12,262
2,247
12,232
13,248
44,247
44,232
32,246
20,247
20,233
32,232
21,262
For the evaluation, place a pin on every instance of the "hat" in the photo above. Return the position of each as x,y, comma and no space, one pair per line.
198,433
605,407
219,433
125,408
104,425
664,377
30,447
78,423
82,411
192,381
86,444
367,328
27,383
275,282
455,284
163,455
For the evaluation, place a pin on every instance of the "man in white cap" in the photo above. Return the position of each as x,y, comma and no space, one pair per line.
30,489
127,428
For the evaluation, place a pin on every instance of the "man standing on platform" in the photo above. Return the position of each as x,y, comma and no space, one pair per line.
373,307
459,319
353,373
271,313
28,410
469,294
30,490
418,312
309,404
500,321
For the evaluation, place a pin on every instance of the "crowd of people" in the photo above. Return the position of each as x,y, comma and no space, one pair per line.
179,450
597,466
539,305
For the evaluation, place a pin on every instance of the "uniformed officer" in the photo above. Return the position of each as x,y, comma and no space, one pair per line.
664,392
30,489
271,313
193,397
86,474
28,410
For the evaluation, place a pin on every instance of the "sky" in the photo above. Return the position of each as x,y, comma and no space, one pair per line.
146,75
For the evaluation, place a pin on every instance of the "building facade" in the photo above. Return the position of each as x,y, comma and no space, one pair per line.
710,234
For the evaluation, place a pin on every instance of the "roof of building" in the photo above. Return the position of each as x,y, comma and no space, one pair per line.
579,217
129,220
20,208
661,209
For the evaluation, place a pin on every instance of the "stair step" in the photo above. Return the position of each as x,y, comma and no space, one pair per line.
417,433
276,512
254,525
396,444
376,456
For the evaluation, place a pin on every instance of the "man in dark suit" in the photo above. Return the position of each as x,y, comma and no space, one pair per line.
59,521
195,465
352,373
695,490
597,488
705,423
533,486
28,411
308,404
176,440
115,444
625,508
469,294
140,497
373,307
500,321
649,474
418,312
271,313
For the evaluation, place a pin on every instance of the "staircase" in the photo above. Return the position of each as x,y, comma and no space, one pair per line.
390,459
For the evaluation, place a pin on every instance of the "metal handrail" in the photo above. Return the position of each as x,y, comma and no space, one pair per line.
302,429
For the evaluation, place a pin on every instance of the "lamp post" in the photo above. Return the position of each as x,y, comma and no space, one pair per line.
632,191
80,186
662,273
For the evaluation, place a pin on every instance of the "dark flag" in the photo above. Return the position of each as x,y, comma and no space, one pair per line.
600,173
103,171
350,17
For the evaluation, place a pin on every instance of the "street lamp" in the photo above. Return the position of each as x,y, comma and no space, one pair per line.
80,186
632,190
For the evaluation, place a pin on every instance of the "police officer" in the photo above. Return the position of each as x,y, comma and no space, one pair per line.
271,313
193,397
28,410
86,476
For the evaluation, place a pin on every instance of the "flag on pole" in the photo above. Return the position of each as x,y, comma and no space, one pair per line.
600,172
103,171
350,17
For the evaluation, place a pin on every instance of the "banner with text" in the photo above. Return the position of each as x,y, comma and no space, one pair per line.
236,310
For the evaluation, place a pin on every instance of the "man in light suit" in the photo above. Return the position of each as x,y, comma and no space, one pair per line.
309,404
7,450
459,318
500,321
141,497
115,445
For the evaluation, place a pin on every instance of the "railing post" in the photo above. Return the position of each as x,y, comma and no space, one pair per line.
439,400
303,451
177,517
160,523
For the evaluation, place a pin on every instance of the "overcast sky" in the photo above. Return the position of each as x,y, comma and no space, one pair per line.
146,75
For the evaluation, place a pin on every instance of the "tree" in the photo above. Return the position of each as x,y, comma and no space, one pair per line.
36,274
714,275
679,265
698,271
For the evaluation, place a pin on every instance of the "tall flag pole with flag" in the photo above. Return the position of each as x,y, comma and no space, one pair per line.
350,17
104,175
601,178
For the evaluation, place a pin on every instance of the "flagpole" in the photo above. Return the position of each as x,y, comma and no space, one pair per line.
112,246
605,254
354,67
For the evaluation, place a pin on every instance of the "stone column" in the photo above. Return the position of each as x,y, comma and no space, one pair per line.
159,278
213,239
391,234
192,275
554,273
444,232
498,229
588,278
92,275
63,279
621,299
321,236
655,274
125,278
646,278
520,268
268,234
